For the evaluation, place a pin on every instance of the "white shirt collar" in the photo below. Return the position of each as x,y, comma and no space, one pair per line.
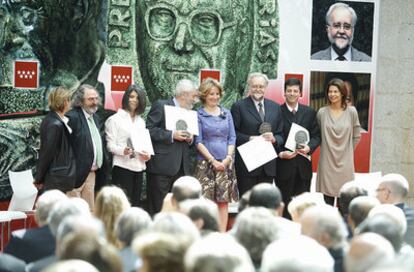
65,121
87,115
291,109
347,54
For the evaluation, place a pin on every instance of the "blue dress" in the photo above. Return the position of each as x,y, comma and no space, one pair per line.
216,133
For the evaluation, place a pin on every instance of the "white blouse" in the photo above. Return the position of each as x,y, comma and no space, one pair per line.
118,129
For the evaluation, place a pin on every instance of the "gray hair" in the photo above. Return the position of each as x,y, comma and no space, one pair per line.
130,223
360,207
327,220
177,224
397,184
393,212
296,254
186,187
344,6
71,266
79,95
64,209
217,252
184,86
255,75
203,209
255,228
45,204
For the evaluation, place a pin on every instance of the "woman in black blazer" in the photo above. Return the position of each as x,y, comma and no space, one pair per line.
56,167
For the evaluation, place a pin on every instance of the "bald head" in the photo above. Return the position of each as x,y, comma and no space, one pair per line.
366,251
186,187
392,189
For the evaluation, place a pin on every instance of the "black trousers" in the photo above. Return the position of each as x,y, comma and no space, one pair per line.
245,183
291,187
158,187
130,182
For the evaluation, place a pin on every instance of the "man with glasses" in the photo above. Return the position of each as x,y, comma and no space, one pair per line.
87,143
175,39
340,24
256,116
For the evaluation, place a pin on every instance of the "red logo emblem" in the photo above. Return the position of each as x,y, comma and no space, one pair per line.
206,73
121,78
26,74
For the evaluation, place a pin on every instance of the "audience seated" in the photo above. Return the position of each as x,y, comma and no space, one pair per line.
31,245
61,210
92,248
296,254
131,223
393,189
217,252
359,209
110,202
301,202
9,263
326,226
367,251
204,214
255,228
349,191
244,201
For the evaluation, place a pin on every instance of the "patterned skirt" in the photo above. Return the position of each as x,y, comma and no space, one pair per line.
217,185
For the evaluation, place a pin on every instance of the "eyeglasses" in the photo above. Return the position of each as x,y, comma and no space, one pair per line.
338,26
205,27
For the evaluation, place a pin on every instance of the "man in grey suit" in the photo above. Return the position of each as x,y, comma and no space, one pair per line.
340,24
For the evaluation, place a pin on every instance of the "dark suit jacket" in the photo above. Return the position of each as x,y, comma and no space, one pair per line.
82,145
169,154
247,122
31,245
56,167
356,55
305,117
409,215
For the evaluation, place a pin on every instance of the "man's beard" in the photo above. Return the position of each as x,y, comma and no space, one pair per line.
91,110
332,40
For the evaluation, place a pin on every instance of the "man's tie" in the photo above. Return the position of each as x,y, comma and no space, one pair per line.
261,112
96,138
341,58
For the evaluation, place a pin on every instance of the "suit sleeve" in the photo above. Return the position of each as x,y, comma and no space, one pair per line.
241,138
155,124
49,142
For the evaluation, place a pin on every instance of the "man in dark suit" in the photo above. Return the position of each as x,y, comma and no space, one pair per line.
393,189
172,148
248,116
294,171
34,244
87,143
340,24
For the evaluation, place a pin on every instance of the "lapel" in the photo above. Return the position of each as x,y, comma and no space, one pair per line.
85,126
251,107
269,110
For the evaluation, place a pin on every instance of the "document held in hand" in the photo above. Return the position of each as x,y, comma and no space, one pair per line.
256,153
177,118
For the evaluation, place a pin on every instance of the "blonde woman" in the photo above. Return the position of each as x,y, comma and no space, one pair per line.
56,167
110,202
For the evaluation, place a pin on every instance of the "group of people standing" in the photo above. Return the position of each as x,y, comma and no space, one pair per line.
72,149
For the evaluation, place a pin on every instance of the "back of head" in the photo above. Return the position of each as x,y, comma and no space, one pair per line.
367,251
45,203
325,225
71,266
160,252
186,187
255,228
349,191
110,202
63,209
244,201
360,207
217,252
177,224
93,249
131,222
395,213
203,211
296,254
385,226
303,201
265,195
